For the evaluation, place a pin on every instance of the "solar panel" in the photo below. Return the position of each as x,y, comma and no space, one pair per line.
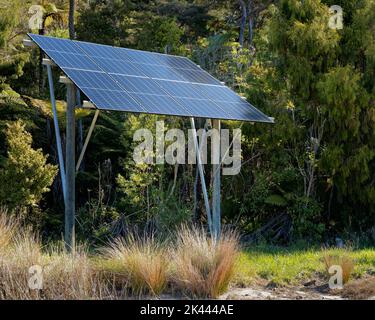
130,80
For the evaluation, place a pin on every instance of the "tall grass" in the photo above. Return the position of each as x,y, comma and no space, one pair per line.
64,276
203,268
144,261
345,262
192,264
8,228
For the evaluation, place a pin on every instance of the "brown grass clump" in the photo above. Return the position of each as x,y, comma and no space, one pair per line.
360,289
194,264
18,252
203,268
8,229
345,262
72,276
64,276
144,263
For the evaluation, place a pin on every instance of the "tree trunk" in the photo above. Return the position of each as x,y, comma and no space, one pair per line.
71,19
251,21
40,62
243,22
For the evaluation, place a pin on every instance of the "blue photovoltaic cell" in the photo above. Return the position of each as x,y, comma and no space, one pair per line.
178,62
118,66
179,89
159,72
138,81
113,100
143,57
92,79
197,76
70,60
138,84
219,93
242,111
160,104
101,51
56,44
203,108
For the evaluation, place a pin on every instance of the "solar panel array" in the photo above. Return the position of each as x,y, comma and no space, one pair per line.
121,79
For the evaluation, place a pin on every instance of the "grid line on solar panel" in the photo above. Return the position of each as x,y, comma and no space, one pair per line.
137,84
102,51
70,60
159,104
203,108
178,62
164,66
118,66
151,103
219,93
91,79
113,100
56,44
137,56
159,72
218,101
143,57
110,66
242,111
88,80
178,89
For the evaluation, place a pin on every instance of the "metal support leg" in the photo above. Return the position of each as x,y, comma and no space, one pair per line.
201,173
70,168
87,139
216,209
57,131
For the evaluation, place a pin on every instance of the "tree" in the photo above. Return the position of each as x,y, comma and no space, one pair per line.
12,59
327,80
160,34
25,175
71,19
105,22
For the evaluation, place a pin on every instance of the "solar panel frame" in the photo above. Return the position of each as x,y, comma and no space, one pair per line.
128,71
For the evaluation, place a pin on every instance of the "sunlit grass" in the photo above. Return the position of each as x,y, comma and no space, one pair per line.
293,266
142,261
44,106
192,264
204,268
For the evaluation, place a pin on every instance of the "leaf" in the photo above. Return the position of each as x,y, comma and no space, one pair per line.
276,200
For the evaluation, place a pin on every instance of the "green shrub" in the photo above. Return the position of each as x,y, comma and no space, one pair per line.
25,175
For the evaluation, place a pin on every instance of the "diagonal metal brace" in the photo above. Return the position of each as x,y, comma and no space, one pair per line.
201,174
57,130
91,129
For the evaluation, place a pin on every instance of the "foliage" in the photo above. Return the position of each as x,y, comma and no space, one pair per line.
111,16
313,166
25,174
95,221
160,34
305,213
333,103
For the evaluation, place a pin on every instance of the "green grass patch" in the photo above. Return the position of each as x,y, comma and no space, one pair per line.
284,266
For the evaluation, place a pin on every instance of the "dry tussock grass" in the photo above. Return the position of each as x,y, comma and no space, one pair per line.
64,276
193,264
203,268
144,263
344,261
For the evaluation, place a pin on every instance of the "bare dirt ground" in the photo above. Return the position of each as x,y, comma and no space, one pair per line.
313,290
